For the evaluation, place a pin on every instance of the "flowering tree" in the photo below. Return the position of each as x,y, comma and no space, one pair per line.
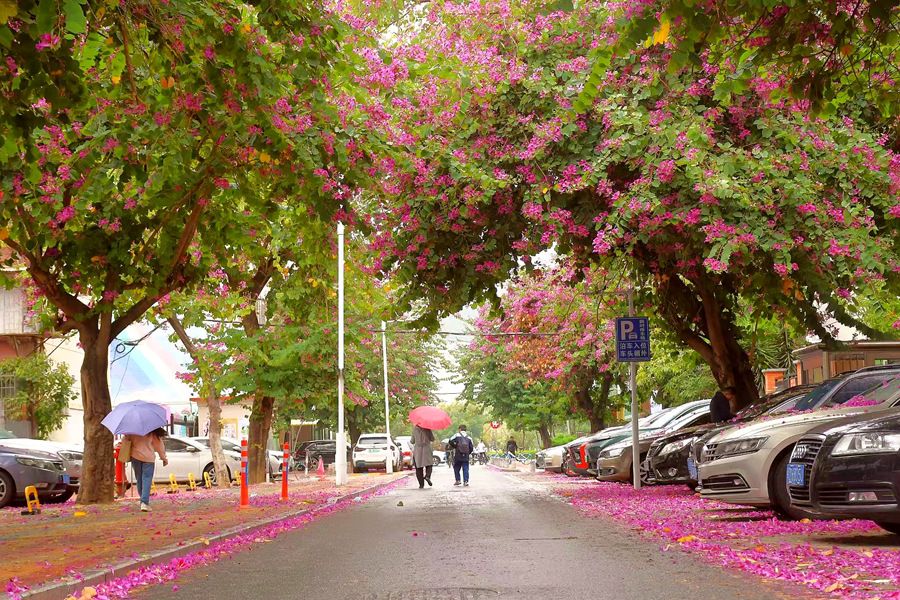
831,53
710,200
553,331
133,135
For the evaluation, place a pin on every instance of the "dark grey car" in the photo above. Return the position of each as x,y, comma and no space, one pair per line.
21,468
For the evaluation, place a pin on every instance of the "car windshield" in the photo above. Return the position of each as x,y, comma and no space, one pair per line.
880,393
226,445
372,441
814,398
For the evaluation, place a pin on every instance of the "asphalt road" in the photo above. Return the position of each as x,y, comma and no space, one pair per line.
498,538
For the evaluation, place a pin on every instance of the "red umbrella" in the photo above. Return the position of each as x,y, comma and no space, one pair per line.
430,417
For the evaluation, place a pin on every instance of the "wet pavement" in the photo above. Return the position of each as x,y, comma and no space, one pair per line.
499,538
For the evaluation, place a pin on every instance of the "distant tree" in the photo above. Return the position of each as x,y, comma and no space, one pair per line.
44,392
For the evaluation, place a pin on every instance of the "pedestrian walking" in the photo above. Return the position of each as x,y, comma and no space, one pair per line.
423,457
512,450
143,451
463,446
720,405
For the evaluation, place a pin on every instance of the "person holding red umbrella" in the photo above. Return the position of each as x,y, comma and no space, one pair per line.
426,419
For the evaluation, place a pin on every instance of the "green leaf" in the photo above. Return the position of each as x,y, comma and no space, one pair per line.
46,15
75,21
8,10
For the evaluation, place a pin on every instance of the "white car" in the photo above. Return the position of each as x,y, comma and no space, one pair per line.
187,456
551,459
372,450
748,464
406,450
233,445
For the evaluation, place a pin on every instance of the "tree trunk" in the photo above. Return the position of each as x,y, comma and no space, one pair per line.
544,431
258,442
353,430
98,469
214,404
584,382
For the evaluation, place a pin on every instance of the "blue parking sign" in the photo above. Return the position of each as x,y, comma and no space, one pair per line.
632,339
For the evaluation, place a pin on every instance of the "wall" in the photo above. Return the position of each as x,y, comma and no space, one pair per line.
235,419
66,351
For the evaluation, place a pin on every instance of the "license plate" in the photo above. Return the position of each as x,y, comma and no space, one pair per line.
692,469
374,450
796,474
66,479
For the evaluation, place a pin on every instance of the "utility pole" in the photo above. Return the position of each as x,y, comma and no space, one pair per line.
389,461
340,456
635,434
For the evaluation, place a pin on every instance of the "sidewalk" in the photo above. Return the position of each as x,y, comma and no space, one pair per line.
842,559
66,540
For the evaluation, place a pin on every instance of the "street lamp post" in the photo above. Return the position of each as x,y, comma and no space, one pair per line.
388,462
340,456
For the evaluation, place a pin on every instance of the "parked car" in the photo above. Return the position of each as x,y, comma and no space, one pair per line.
20,468
550,459
187,456
437,457
405,451
324,449
70,454
372,450
748,464
615,462
669,457
607,437
232,445
856,471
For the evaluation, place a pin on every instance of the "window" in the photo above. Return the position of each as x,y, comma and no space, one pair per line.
858,385
880,362
173,445
9,387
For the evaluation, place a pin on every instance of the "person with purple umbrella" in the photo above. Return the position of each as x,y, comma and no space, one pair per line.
144,449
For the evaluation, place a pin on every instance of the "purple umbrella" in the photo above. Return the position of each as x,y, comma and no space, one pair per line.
137,417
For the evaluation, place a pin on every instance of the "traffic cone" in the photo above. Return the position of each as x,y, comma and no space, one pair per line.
320,470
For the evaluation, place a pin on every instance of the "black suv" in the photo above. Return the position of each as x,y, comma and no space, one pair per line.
311,451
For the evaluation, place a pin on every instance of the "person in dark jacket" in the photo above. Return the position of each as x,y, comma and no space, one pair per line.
720,405
462,448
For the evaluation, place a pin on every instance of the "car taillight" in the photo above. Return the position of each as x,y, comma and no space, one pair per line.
407,454
583,463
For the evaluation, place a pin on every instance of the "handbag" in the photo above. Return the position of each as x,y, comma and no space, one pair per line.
124,451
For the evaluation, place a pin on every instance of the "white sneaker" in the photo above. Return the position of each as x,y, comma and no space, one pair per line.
145,507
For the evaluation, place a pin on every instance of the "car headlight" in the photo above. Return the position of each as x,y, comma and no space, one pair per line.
37,463
737,447
867,443
613,452
675,446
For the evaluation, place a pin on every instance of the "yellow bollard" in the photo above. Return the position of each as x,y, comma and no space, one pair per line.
207,480
192,483
173,485
32,501
152,487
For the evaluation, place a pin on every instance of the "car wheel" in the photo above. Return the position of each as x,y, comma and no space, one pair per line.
435,461
778,491
644,471
692,485
211,469
892,527
7,489
360,470
59,498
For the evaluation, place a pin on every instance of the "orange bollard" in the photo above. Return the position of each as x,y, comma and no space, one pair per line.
320,470
245,492
284,471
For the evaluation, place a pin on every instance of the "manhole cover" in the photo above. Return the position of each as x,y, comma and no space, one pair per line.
436,594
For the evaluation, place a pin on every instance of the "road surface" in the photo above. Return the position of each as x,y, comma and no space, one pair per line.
497,539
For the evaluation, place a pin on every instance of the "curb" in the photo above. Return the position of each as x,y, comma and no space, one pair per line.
59,590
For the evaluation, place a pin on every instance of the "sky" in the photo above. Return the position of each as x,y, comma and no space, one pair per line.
147,371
